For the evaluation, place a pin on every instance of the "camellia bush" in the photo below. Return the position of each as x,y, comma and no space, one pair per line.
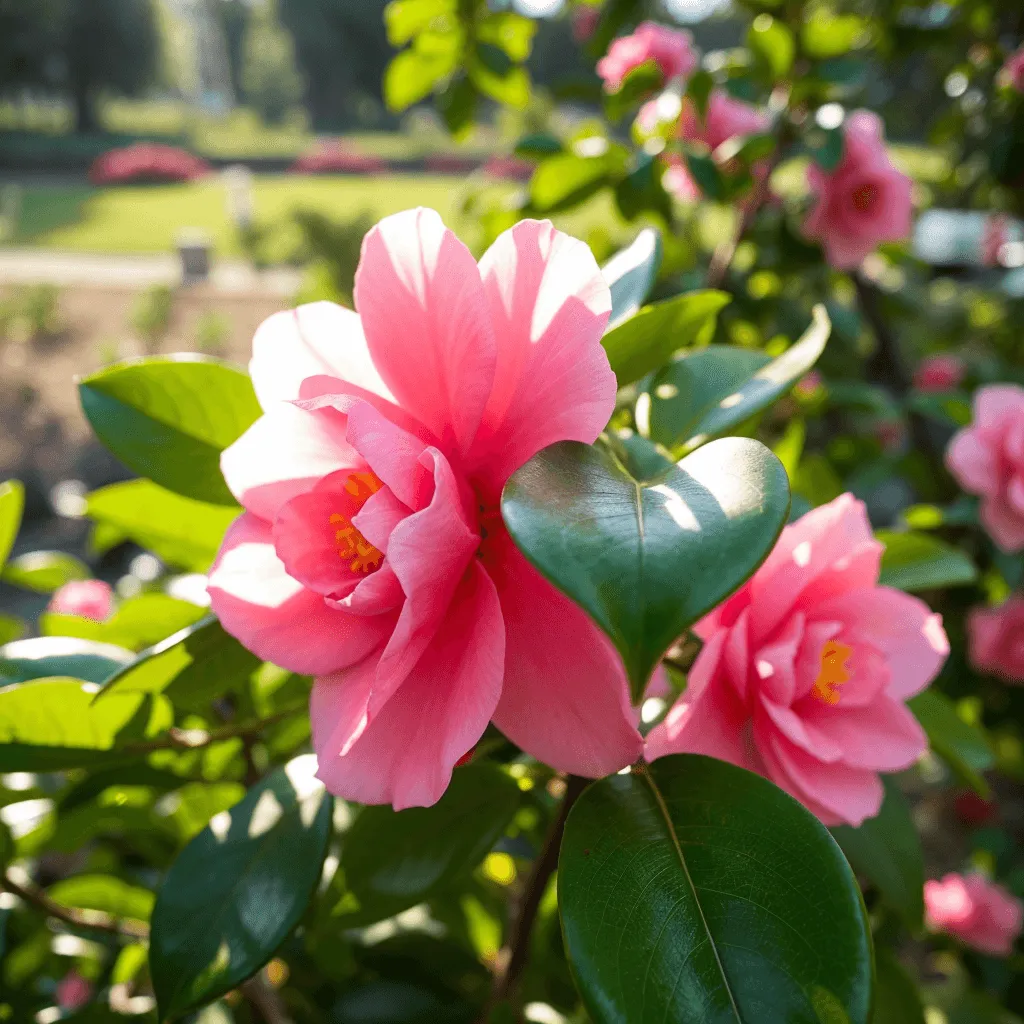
570,634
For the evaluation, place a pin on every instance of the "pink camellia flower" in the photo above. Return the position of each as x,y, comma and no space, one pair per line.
939,373
584,22
987,458
671,49
89,599
996,639
980,913
678,181
725,118
1013,70
73,992
805,669
865,200
372,554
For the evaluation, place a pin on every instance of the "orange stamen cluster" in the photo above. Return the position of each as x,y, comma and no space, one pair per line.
834,672
353,547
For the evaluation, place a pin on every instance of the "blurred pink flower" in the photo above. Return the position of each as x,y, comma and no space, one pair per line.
996,639
584,22
987,458
726,118
333,156
995,235
671,49
147,162
805,670
980,913
89,599
73,992
939,373
678,181
1013,69
372,553
809,384
865,200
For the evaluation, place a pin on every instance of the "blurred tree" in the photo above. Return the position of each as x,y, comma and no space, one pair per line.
26,40
270,80
233,16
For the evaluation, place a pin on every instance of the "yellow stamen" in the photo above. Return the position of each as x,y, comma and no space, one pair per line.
834,672
353,547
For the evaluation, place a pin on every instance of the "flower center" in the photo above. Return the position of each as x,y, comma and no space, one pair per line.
353,547
834,672
865,196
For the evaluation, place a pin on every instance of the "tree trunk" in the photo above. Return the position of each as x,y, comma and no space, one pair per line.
85,111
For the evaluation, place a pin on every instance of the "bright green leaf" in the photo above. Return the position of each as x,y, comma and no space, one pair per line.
168,418
825,34
510,31
105,893
964,747
405,19
139,622
238,889
706,393
44,571
40,657
631,274
918,561
11,629
511,88
696,891
773,42
412,75
566,179
647,559
12,504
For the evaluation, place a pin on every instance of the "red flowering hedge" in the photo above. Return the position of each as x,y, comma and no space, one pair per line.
147,162
331,156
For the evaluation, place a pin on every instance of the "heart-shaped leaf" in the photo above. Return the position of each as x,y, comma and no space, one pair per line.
168,418
697,892
646,559
705,393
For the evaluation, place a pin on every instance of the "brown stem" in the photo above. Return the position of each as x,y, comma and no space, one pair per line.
265,998
513,956
93,919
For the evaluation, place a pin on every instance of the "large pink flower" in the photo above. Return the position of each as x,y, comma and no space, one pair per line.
978,912
996,639
865,200
804,671
725,118
671,49
372,553
987,458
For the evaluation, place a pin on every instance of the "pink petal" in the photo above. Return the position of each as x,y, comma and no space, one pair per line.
985,634
883,736
320,338
565,699
380,592
1003,523
973,462
277,618
903,628
284,453
804,734
404,755
737,654
549,304
377,519
774,663
995,402
419,293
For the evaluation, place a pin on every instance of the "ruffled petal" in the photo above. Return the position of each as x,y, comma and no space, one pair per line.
883,736
320,338
973,463
423,308
404,755
277,618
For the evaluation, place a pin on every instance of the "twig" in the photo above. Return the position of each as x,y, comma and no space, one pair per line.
513,956
92,919
262,995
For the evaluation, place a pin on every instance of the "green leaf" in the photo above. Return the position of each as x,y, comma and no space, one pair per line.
395,859
640,84
697,891
412,75
168,418
566,179
918,561
139,622
105,893
646,560
825,34
44,571
12,504
641,191
706,174
191,668
178,530
40,657
964,747
511,88
706,393
826,146
896,998
238,889
631,274
52,724
511,32
405,19
887,851
538,145
11,629
773,43
650,338
457,104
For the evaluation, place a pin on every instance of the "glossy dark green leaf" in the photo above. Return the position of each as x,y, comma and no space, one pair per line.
168,418
631,274
887,851
40,657
12,504
393,860
44,571
896,997
191,668
180,531
649,339
53,724
705,393
139,622
238,889
697,892
647,559
917,561
964,747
